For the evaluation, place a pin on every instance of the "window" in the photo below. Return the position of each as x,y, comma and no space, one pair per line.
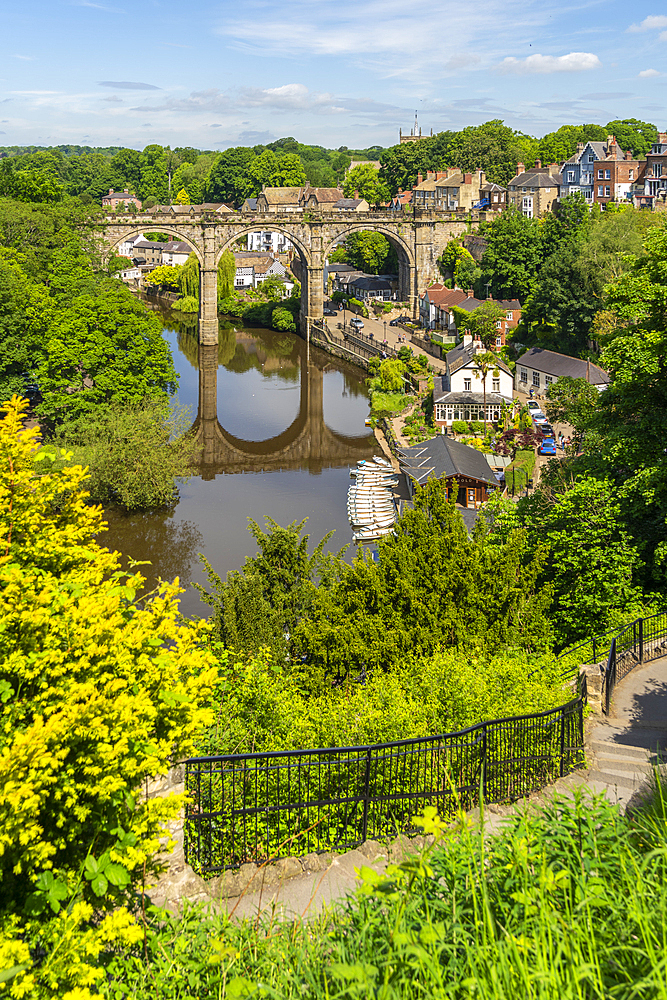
499,341
467,384
548,380
631,174
499,324
600,175
591,158
523,375
536,379
547,189
508,316
496,385
439,411
607,191
600,190
471,498
607,175
570,175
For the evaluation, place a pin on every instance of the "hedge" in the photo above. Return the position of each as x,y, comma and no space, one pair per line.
520,471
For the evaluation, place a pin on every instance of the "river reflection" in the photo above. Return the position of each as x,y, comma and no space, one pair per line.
279,424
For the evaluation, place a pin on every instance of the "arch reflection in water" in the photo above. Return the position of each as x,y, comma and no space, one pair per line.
306,443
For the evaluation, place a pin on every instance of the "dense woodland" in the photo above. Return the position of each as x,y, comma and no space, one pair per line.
43,174
102,684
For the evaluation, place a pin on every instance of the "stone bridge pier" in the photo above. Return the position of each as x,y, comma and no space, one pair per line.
419,240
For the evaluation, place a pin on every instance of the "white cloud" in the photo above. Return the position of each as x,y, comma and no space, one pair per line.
25,58
573,62
651,23
649,72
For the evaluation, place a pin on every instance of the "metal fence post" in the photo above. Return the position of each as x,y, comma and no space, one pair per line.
364,828
562,744
595,659
641,640
484,748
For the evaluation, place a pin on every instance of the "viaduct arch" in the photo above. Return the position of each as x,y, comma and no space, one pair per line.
419,240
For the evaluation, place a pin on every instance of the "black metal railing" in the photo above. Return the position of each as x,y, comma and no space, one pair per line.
261,806
621,650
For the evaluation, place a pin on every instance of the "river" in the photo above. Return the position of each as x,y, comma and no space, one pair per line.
280,423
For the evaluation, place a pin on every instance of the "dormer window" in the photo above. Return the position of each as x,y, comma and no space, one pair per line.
467,384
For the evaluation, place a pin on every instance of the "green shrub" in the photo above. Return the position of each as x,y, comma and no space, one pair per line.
282,319
460,427
477,426
188,304
358,307
387,403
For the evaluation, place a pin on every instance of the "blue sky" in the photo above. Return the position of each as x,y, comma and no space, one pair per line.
338,73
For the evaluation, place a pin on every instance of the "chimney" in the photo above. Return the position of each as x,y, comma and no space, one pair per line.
125,191
519,168
356,194
538,164
467,339
580,147
470,293
400,190
441,174
110,190
467,178
553,169
628,154
420,179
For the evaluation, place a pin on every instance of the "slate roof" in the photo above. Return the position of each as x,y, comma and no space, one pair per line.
324,195
348,203
557,365
463,354
371,282
249,205
149,245
260,261
440,296
536,180
176,246
489,186
442,395
440,457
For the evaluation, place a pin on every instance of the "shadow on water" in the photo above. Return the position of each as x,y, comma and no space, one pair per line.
279,424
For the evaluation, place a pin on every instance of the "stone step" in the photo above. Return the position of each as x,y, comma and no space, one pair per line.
621,779
628,765
607,748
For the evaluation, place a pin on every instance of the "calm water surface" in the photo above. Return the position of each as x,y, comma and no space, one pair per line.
279,424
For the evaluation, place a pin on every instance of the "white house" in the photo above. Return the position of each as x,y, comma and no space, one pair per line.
127,246
175,253
254,268
268,241
537,369
459,393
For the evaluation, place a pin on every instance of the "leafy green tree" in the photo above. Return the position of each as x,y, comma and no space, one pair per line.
370,252
282,319
28,185
566,296
25,312
134,454
289,171
433,586
263,168
167,276
591,557
492,147
554,147
188,278
366,180
481,323
571,401
99,690
261,604
402,163
105,348
226,274
229,179
513,255
182,198
633,134
485,363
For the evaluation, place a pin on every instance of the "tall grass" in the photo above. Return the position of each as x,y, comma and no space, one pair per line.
569,903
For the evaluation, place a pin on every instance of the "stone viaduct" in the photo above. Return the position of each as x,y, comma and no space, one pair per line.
419,240
306,443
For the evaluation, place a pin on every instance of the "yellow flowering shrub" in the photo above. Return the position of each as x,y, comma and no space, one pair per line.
99,689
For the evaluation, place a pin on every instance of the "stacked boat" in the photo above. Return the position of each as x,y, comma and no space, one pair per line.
371,507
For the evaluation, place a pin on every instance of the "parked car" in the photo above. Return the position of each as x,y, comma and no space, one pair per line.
548,446
328,311
547,430
399,321
357,323
533,406
539,419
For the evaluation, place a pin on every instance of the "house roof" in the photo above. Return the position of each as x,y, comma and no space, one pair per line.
261,262
465,398
440,457
438,295
463,355
404,198
551,363
539,179
282,195
342,268
250,204
324,195
176,246
149,245
427,185
371,281
350,202
492,187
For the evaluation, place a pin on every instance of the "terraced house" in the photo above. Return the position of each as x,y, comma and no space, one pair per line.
533,192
